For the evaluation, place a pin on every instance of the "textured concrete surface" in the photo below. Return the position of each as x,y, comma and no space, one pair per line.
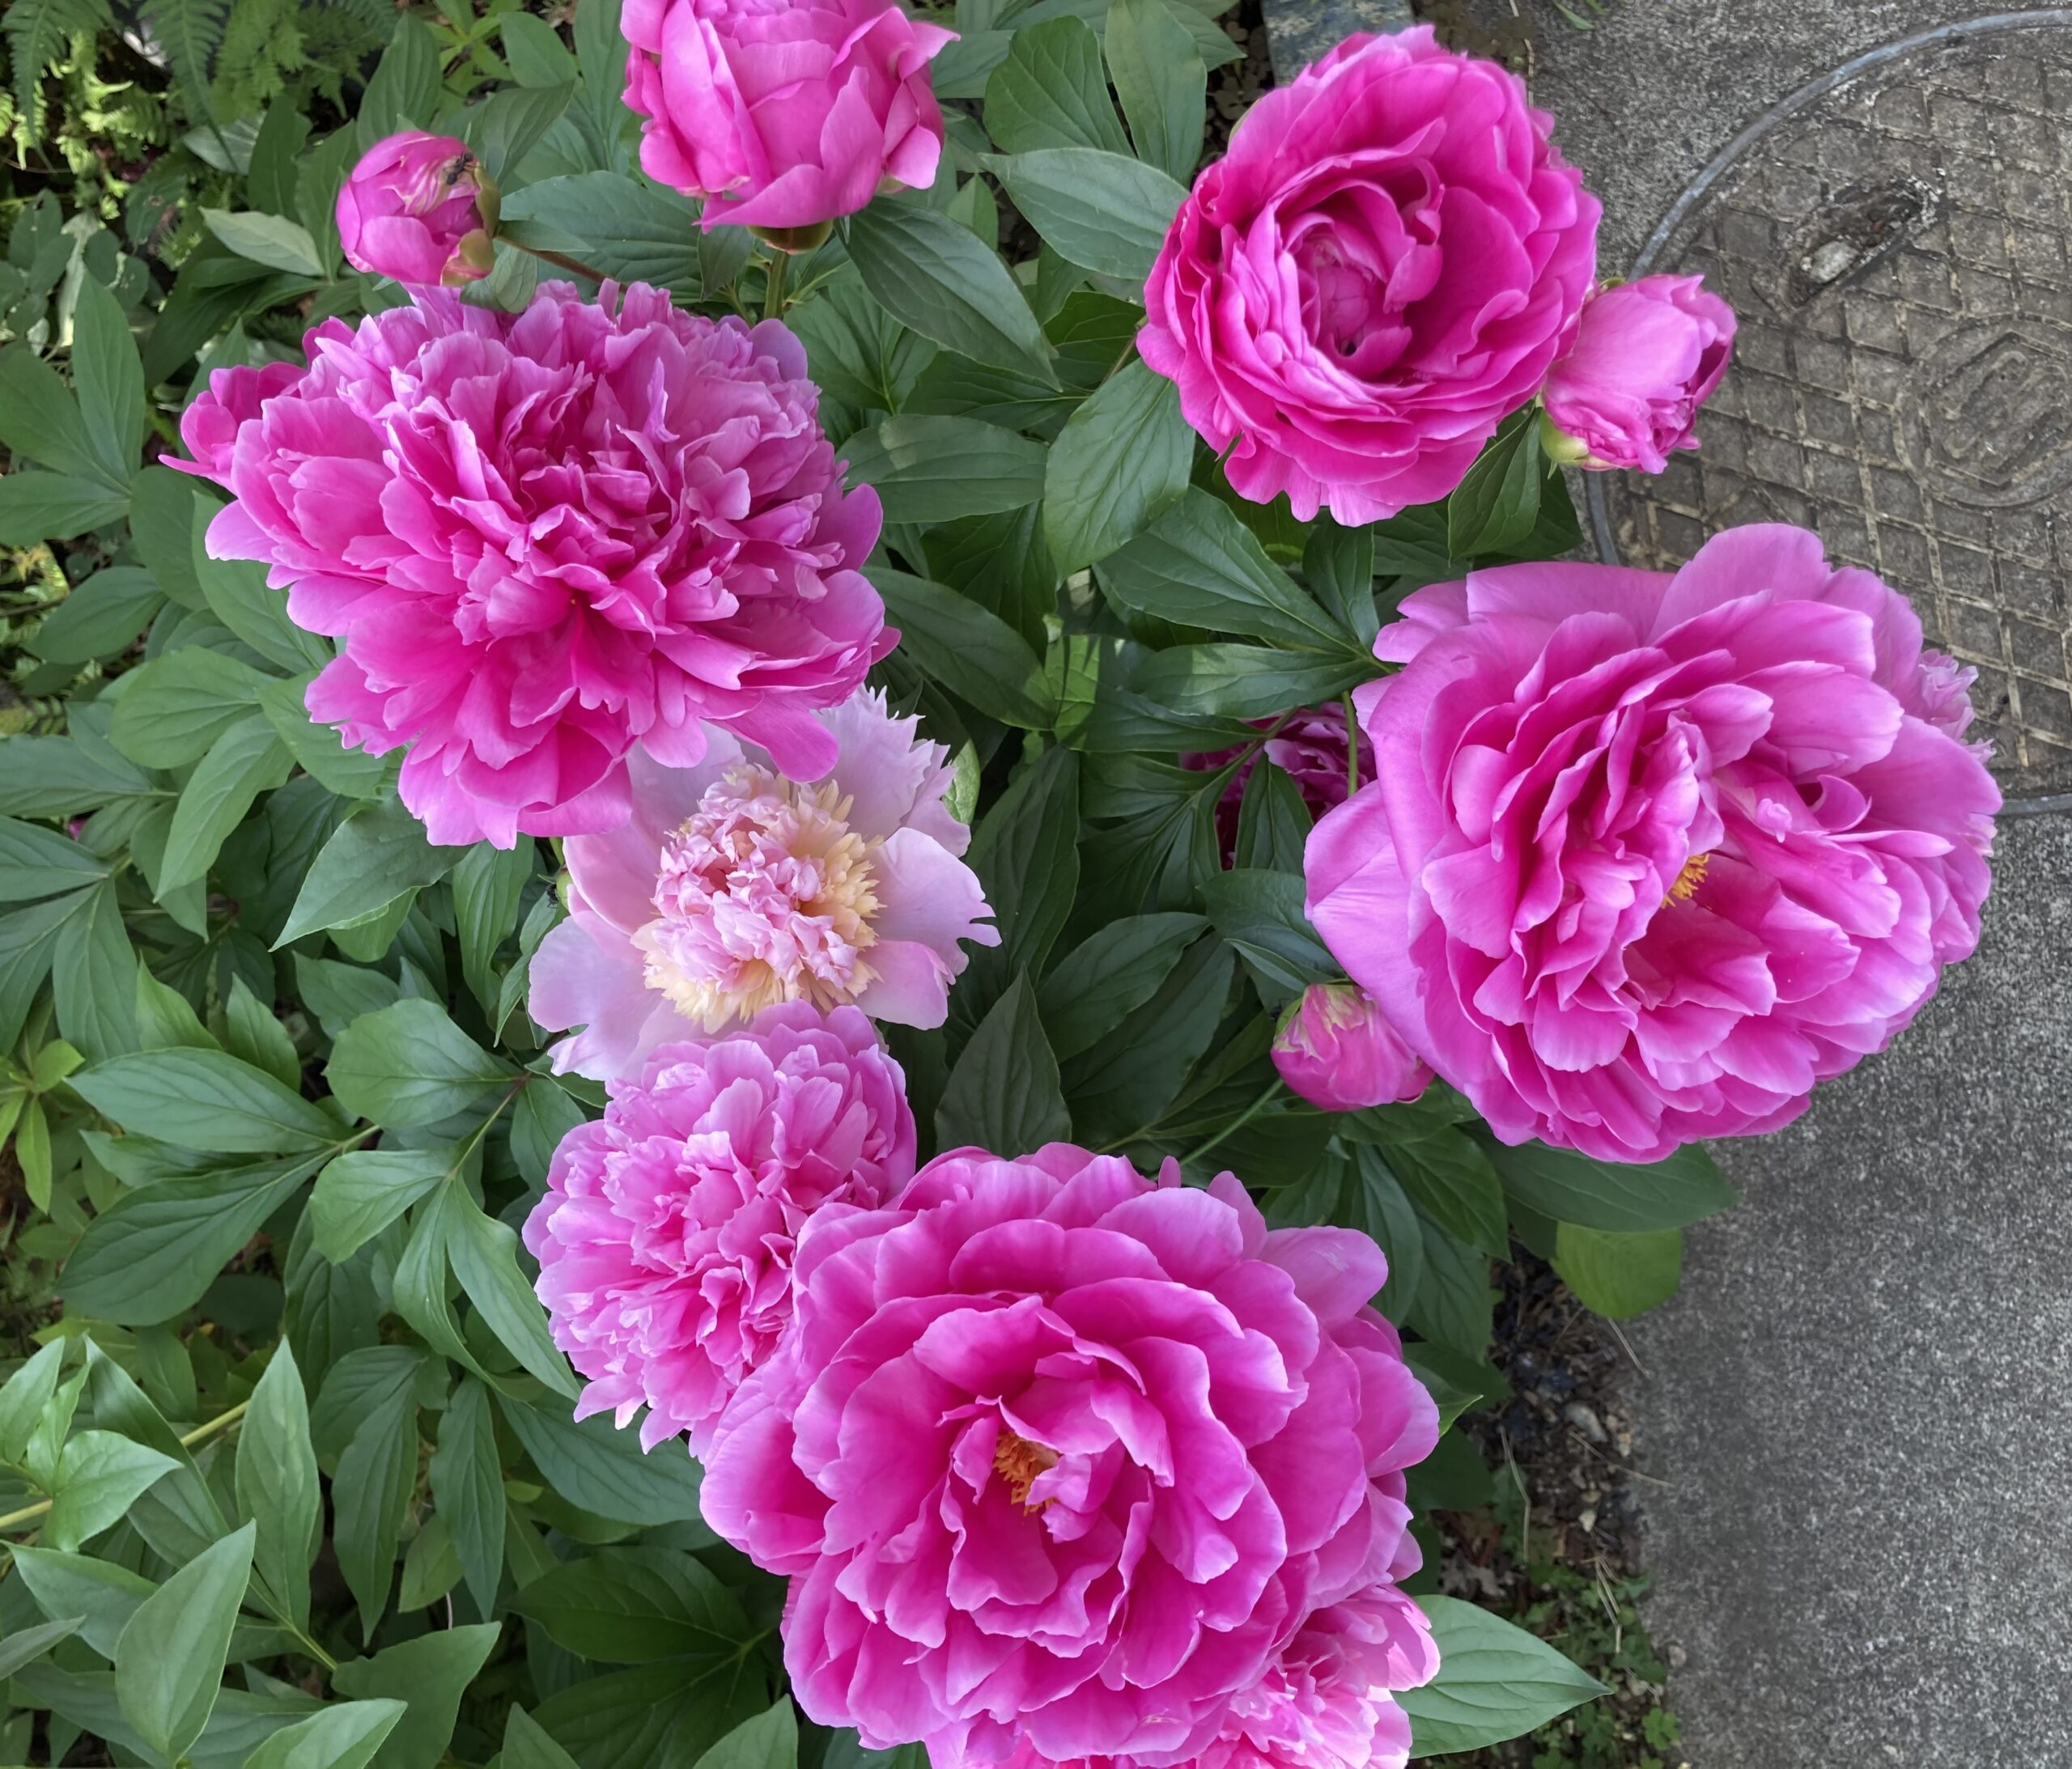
1300,30
1864,1547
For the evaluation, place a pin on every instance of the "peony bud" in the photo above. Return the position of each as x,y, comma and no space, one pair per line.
1647,354
420,208
1335,1049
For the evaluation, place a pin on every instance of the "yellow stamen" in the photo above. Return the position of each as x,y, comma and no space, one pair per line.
1018,1462
1688,881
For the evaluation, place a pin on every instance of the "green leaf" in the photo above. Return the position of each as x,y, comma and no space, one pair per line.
1026,851
370,1497
770,1741
26,1645
592,1465
484,1255
1495,506
404,93
534,49
150,1254
374,857
101,617
929,469
1338,564
1113,970
628,226
277,1485
57,506
1003,1094
41,420
169,1662
1244,681
205,1100
364,1191
526,1744
633,1606
338,994
1454,1184
174,710
276,154
488,884
430,1674
62,776
1104,211
101,1595
1261,914
272,240
351,773
92,966
1050,92
653,1716
1125,1083
507,125
467,1485
99,1476
409,1064
940,280
253,1035
345,1735
1612,1195
162,525
1162,81
247,759
109,380
1619,1276
1120,462
1199,565
239,596
972,652
36,861
1454,1301
1495,1682
23,1397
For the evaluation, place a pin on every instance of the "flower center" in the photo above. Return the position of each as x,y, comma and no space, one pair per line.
766,894
1688,881
1018,1462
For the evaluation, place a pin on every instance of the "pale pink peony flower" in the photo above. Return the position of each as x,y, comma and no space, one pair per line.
1336,1050
1382,267
1325,1703
1647,355
667,1234
783,113
1648,856
731,887
547,537
418,208
1057,1456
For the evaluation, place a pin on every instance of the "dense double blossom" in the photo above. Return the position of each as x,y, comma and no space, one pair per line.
668,1230
544,538
1064,1461
732,887
1382,269
1648,855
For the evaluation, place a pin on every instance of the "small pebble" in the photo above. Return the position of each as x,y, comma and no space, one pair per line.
1586,1421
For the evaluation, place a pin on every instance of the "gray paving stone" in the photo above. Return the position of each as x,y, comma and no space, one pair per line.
1864,1547
1300,30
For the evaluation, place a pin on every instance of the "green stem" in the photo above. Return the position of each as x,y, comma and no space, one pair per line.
201,1434
773,294
1244,1118
1352,745
561,260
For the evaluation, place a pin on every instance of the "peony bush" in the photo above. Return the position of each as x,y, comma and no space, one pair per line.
810,854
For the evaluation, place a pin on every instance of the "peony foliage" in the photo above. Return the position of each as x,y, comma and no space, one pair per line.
752,730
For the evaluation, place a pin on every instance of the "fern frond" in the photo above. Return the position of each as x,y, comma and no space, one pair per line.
37,33
188,31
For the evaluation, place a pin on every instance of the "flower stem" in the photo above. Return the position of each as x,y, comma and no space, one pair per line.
773,296
1352,745
1244,1118
560,260
201,1434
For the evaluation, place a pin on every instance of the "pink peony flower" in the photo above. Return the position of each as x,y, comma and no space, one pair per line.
667,1234
1336,1050
418,208
784,114
1649,855
1309,748
547,537
1323,1703
1382,267
209,426
1647,355
732,887
1056,1456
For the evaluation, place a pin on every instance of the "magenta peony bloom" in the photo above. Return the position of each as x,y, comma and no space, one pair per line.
666,1236
1647,355
1648,856
209,426
418,208
1056,1456
1382,267
732,887
785,114
1336,1050
547,537
1324,1702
